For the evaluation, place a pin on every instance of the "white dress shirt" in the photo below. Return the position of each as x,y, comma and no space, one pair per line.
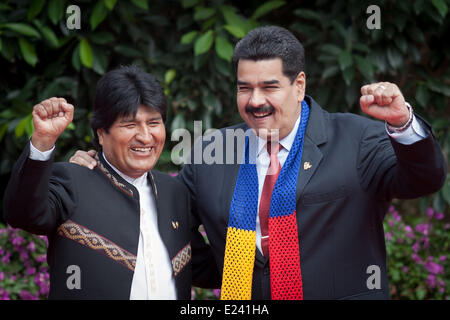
414,133
153,277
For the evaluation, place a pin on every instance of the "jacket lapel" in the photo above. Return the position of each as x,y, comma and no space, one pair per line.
164,214
168,227
312,156
115,178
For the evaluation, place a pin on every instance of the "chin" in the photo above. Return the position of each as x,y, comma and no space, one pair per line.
141,169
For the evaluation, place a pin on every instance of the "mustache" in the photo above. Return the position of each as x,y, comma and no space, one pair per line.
265,108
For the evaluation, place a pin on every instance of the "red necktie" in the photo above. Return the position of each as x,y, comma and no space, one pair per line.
266,195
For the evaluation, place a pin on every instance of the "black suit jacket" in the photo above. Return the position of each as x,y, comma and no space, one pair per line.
91,218
356,169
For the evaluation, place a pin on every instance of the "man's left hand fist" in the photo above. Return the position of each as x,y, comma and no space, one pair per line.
384,101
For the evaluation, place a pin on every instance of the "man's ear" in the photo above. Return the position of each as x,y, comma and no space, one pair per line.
100,133
300,83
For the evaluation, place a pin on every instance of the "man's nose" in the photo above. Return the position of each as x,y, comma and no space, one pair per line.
257,99
144,135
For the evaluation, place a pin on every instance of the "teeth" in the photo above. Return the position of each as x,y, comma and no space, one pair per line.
141,149
262,114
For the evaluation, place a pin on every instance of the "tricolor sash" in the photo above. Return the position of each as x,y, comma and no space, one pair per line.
284,253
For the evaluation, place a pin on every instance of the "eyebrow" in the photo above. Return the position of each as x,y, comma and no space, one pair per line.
241,83
125,120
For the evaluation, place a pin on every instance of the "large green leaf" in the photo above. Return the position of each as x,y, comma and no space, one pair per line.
365,67
8,49
20,128
331,48
29,126
441,7
28,52
110,4
143,4
330,71
348,75
35,8
55,10
234,21
422,95
266,8
345,60
86,55
50,36
3,128
76,60
394,57
234,30
202,13
169,76
224,49
99,62
203,43
188,37
23,29
98,14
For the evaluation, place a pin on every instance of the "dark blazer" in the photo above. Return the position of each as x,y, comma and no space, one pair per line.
91,218
356,169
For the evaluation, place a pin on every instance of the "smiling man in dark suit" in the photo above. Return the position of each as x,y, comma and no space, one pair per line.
316,230
120,231
300,216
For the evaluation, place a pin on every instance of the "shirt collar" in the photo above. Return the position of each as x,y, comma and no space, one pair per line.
286,142
137,182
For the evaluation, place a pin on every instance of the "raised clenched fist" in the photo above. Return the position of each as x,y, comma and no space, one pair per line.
384,101
50,118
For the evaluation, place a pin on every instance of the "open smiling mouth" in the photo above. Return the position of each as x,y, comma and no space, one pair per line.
142,149
260,115
261,112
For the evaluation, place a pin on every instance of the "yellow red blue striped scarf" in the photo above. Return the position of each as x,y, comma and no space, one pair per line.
284,253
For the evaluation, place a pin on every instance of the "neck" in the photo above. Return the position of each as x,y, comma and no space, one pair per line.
131,180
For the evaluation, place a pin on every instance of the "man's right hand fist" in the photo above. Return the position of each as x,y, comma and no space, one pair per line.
50,118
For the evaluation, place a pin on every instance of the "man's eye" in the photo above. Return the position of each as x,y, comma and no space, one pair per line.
271,87
243,88
129,126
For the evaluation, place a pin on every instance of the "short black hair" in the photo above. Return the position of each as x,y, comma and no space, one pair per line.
121,92
270,42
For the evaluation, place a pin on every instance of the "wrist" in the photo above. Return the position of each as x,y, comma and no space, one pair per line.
403,120
402,124
42,143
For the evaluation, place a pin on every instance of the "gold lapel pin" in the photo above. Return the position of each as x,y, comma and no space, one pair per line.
307,165
175,224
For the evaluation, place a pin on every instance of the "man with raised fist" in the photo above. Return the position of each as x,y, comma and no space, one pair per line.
117,232
305,219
